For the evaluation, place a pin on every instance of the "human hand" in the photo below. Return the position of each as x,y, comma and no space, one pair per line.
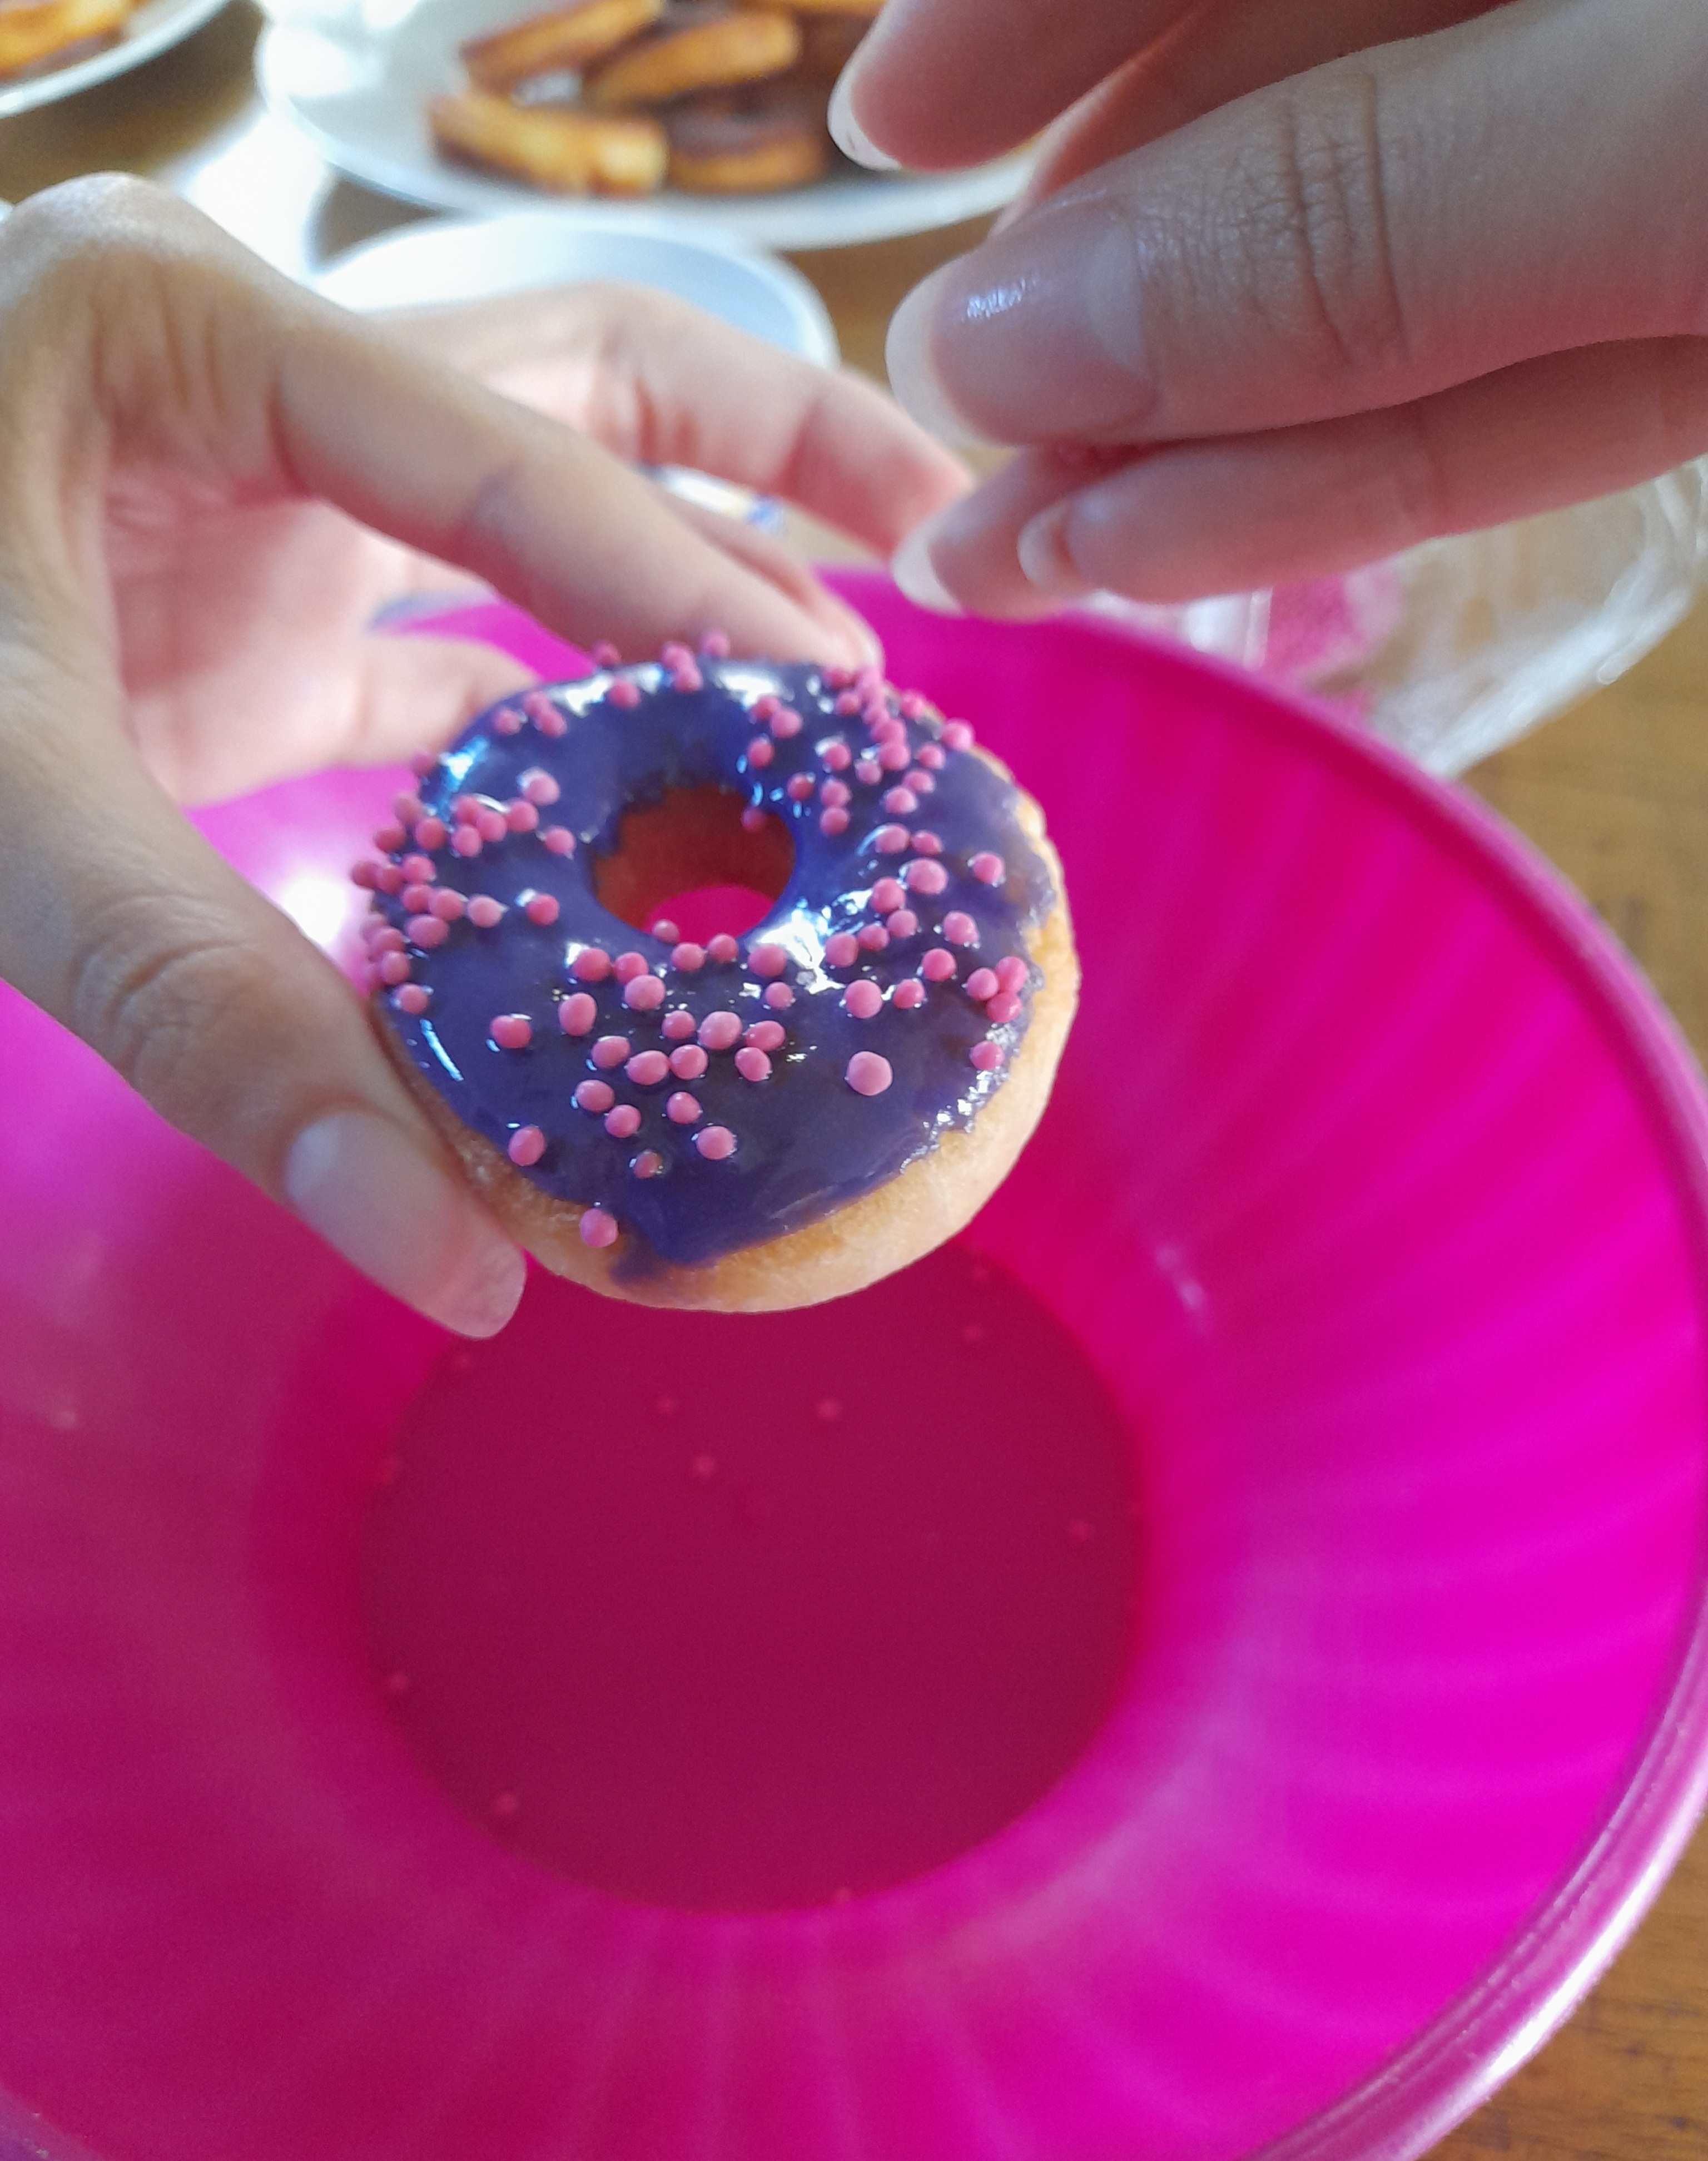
199,462
1295,287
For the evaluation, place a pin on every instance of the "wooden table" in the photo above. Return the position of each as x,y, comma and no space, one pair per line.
1617,793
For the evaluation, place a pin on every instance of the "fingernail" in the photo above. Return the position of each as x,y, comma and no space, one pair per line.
912,570
866,647
913,372
355,1178
850,138
1042,551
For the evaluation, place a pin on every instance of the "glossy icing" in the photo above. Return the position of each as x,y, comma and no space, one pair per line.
701,1100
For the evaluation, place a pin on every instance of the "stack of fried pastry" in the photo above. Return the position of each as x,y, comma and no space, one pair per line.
620,96
36,35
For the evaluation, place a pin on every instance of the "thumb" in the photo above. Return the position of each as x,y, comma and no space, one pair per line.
211,1004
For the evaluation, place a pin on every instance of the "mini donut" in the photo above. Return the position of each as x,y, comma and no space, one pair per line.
697,45
570,153
567,37
770,1119
743,142
36,35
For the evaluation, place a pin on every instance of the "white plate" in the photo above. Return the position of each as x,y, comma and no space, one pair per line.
459,259
156,25
357,79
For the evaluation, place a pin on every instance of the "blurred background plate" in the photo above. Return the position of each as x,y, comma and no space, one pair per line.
356,81
156,25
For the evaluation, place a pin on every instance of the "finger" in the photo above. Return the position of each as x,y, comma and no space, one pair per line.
1367,234
769,559
1208,58
117,919
1250,511
939,83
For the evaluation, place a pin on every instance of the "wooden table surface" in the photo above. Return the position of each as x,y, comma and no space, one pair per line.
1616,793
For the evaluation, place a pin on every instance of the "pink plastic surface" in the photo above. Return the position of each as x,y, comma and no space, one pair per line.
1372,1188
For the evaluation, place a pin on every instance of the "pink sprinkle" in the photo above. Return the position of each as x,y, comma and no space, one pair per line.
687,678
799,787
688,1061
895,758
982,983
674,654
927,844
991,869
540,908
902,922
648,1164
887,894
665,931
848,702
716,645
577,1013
682,1109
463,808
448,905
688,956
873,937
677,1027
431,833
646,1068
722,948
909,994
627,694
911,706
559,839
423,761
537,706
931,757
597,1228
752,1065
465,840
605,654
527,1146
764,1035
394,967
863,999
417,899
938,965
841,948
868,772
785,721
959,928
594,1096
388,878
490,824
365,874
1013,973
408,809
867,1074
767,960
900,802
838,679
591,965
508,722
834,794
627,966
988,1056
511,1031
623,1121
715,1143
386,939
718,1031
551,722
921,782
835,754
885,727
891,840
761,751
426,931
610,1050
539,786
389,837
833,822
1004,1007
956,736
521,816
484,912
778,996
418,869
752,819
412,998
925,877
765,705
643,994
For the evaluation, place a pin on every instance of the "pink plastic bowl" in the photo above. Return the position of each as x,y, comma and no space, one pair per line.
1373,1192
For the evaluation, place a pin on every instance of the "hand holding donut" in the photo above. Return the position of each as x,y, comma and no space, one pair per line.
198,461
1294,286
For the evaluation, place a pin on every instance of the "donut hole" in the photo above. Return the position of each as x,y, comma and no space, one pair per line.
689,859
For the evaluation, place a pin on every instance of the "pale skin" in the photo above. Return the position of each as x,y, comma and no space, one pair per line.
1299,283
213,481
